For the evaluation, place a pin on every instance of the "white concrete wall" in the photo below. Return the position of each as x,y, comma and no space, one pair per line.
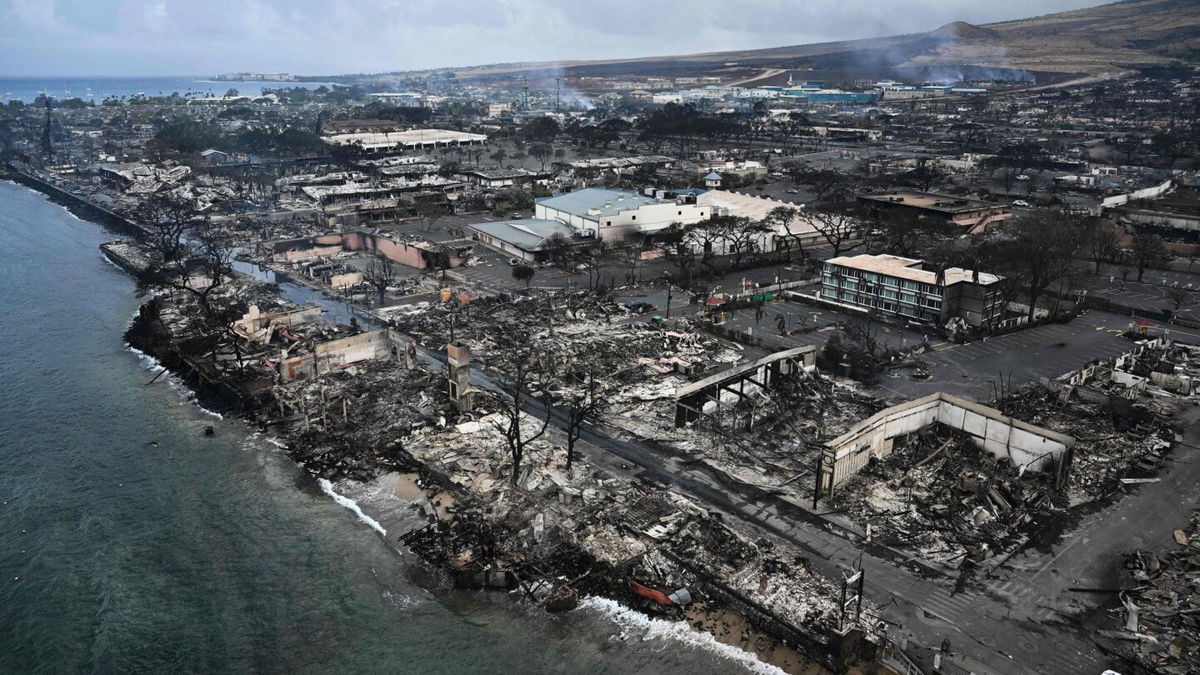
1021,443
1145,193
335,354
580,223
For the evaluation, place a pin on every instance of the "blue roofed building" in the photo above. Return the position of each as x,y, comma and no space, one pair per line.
617,214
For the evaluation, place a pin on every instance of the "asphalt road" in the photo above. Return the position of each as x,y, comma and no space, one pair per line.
1155,292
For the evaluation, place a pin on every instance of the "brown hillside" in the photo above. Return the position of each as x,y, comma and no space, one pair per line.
1099,41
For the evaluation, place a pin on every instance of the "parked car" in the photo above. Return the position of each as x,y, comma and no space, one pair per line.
1022,203
515,262
640,306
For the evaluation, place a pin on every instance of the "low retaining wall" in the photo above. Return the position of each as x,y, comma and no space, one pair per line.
1024,444
80,206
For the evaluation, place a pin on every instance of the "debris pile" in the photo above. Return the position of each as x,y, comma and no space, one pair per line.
360,421
774,441
941,495
1159,629
640,376
205,346
773,577
1118,441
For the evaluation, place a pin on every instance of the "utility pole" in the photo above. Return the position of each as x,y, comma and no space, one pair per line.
557,92
525,90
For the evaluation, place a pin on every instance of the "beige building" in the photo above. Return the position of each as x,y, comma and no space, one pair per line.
900,288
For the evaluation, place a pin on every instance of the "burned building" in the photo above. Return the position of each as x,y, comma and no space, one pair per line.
973,215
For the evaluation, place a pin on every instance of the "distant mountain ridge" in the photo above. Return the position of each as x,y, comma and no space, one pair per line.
1096,41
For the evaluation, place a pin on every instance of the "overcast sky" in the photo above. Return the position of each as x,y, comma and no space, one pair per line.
186,37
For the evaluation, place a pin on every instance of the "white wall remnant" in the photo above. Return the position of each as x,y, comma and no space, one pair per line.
372,345
1145,193
1023,444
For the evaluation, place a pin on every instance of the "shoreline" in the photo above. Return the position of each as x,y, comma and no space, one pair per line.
220,399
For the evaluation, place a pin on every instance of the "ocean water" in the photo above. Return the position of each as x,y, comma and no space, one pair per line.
129,541
99,88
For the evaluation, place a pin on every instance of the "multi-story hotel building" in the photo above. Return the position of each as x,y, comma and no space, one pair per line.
901,288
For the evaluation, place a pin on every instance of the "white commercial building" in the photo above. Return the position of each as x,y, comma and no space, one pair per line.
391,141
613,214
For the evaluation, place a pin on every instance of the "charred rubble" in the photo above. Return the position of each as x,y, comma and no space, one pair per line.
1156,626
553,531
938,494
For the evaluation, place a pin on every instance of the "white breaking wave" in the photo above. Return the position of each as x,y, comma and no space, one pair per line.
634,623
110,262
210,412
146,359
188,395
70,213
327,488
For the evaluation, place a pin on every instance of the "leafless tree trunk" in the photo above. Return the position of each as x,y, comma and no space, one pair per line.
379,274
518,365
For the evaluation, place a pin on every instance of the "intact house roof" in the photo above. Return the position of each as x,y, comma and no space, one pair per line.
527,235
606,202
910,268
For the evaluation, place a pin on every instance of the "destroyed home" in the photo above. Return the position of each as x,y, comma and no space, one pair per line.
972,215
